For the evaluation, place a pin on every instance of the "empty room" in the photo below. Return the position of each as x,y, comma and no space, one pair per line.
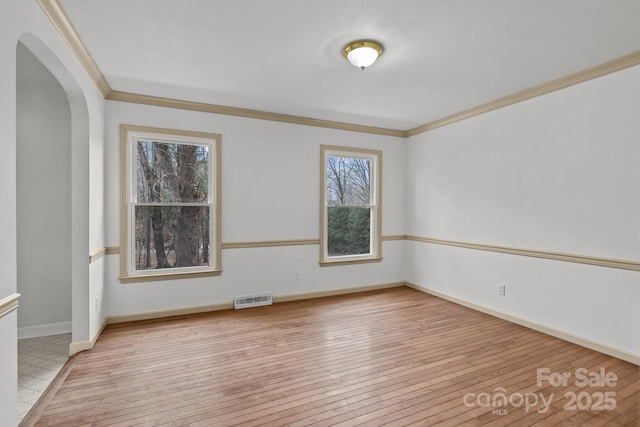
330,213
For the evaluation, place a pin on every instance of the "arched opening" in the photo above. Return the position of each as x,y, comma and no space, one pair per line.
43,199
52,139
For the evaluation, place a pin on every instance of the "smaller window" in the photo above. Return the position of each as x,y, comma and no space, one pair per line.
170,204
350,209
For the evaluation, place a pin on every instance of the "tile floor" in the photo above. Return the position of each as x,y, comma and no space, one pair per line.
39,361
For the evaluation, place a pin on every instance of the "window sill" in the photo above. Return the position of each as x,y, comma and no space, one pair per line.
169,276
350,261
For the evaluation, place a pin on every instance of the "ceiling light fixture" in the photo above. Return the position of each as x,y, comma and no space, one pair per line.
362,53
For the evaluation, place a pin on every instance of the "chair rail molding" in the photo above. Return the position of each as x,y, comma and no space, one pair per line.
556,256
9,303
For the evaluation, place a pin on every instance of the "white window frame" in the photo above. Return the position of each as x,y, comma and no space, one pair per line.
129,135
375,228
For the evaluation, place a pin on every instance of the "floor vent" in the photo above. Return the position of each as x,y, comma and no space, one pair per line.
252,301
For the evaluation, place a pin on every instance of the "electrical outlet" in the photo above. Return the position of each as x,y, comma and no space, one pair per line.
502,289
296,276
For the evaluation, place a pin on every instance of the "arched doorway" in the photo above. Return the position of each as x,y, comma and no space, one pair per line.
52,139
43,199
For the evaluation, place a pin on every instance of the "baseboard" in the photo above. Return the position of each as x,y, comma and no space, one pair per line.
46,330
78,346
584,342
158,314
333,292
97,335
226,306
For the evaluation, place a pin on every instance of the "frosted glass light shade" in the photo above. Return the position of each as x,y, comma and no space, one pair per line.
362,57
362,53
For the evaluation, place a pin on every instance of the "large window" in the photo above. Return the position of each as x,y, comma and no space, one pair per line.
350,207
170,216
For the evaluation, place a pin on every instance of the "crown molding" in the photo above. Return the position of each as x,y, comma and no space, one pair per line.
248,113
591,73
60,21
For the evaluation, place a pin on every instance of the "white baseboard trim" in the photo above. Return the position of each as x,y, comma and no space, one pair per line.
158,314
227,306
584,342
333,292
78,346
97,335
46,330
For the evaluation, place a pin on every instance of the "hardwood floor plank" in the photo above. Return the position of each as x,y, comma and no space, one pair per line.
411,405
388,357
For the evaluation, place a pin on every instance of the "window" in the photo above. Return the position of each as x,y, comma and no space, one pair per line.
350,210
170,210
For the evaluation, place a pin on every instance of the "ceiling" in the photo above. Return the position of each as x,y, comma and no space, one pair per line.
284,56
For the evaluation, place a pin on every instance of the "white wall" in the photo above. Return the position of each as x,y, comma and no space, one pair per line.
11,22
557,173
43,200
270,191
24,20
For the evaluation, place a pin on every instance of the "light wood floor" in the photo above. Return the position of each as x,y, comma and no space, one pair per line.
392,357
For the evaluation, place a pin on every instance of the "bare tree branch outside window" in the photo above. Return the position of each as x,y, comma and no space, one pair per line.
172,211
349,205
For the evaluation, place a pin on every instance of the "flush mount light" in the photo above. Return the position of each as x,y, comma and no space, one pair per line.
362,53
